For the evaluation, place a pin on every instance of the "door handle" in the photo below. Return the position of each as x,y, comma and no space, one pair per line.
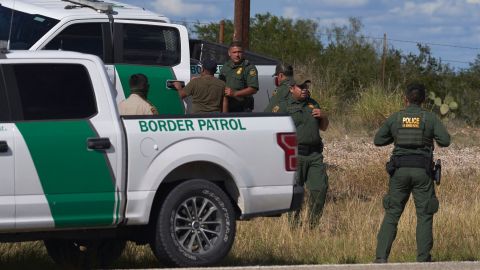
170,84
98,143
3,147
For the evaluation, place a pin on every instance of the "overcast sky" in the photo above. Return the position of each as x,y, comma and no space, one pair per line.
443,22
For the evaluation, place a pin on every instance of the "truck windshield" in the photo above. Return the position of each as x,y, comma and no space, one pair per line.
26,28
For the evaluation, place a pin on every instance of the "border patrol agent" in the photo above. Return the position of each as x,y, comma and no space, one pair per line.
412,131
309,119
283,73
137,103
241,79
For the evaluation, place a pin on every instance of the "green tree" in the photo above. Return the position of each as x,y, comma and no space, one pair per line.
285,39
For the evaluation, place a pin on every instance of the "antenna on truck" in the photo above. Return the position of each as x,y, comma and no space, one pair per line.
99,6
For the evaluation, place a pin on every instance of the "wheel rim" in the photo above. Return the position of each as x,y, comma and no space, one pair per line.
197,225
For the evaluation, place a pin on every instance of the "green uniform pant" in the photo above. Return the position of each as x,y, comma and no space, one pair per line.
402,183
312,173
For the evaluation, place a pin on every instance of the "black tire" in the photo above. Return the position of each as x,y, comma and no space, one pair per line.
85,254
195,227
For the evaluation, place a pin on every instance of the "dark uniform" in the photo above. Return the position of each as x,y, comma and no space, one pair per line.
310,168
238,77
207,94
412,131
281,93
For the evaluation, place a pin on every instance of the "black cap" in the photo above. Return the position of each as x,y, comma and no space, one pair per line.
283,68
209,65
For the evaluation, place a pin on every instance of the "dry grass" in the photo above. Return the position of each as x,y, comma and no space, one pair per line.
352,216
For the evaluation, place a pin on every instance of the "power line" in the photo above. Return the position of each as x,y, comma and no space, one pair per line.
436,44
370,37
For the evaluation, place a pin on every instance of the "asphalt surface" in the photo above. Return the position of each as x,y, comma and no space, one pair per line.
393,266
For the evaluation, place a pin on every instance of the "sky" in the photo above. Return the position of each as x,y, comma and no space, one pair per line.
450,27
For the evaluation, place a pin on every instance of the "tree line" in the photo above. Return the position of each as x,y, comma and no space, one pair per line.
347,62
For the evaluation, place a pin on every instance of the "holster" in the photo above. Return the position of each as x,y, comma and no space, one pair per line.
390,167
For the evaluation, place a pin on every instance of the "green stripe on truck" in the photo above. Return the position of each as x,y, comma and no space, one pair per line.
77,182
166,100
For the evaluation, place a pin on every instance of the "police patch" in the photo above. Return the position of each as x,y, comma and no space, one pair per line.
253,72
275,109
411,122
239,71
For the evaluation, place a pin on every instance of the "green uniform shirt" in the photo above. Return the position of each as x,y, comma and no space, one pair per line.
281,93
434,129
238,77
308,127
207,94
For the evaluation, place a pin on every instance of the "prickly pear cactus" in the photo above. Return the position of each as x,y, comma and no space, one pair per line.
444,107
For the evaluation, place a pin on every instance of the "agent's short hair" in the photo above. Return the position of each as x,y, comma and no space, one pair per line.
236,43
415,93
138,81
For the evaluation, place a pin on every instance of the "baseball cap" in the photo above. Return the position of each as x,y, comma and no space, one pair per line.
283,68
299,80
209,65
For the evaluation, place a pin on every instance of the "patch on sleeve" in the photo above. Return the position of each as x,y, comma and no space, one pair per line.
253,72
275,109
239,70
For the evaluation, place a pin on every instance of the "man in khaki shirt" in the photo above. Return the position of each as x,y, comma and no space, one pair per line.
137,103
207,92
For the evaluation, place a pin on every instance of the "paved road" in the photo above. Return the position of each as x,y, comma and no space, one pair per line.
392,266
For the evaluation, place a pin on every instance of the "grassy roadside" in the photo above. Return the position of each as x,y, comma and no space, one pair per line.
348,228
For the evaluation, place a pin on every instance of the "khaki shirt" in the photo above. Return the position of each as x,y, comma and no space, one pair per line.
136,105
207,94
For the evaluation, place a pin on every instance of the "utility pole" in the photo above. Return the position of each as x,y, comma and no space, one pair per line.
242,22
221,36
384,58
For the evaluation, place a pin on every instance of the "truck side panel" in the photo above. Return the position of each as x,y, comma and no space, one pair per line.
242,145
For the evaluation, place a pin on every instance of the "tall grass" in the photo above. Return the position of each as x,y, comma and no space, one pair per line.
353,212
350,222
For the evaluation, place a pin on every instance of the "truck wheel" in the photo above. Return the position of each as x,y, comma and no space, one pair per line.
195,226
84,254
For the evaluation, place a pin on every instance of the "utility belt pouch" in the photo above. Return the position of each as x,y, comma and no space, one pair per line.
390,166
437,172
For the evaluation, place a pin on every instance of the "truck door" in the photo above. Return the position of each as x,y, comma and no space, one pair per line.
7,201
158,50
68,177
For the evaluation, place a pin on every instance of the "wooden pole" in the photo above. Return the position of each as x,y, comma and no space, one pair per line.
221,35
384,60
242,22
246,24
238,20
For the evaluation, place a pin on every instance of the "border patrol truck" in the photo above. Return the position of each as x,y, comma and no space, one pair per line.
85,180
127,38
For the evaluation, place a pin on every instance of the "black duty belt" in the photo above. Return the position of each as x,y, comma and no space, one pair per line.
305,150
412,161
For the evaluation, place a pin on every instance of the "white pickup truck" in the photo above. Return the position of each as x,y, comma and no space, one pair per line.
128,39
85,180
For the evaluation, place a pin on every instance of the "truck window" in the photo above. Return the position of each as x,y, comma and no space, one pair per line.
81,37
4,108
26,28
49,91
150,45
